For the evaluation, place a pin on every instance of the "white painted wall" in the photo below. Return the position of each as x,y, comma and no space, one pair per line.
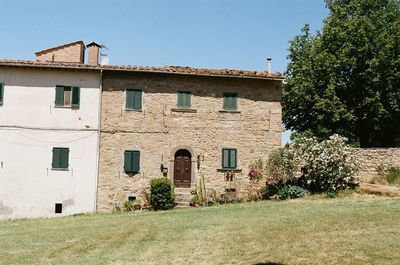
30,127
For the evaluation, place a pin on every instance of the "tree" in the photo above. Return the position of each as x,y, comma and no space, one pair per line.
346,78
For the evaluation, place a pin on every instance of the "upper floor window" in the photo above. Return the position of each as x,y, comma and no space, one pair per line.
1,93
67,96
60,158
131,161
229,159
230,101
184,99
133,99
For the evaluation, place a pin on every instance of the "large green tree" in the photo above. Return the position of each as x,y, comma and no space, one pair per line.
345,79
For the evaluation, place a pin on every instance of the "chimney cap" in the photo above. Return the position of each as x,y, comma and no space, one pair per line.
94,44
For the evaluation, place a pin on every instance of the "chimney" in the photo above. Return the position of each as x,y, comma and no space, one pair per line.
94,53
269,65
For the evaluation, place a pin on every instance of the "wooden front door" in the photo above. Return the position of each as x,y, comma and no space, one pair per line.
182,171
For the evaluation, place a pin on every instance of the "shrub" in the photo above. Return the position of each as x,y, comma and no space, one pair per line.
292,192
393,175
328,166
256,170
281,167
162,196
268,191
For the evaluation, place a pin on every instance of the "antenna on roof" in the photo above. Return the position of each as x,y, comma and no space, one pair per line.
104,55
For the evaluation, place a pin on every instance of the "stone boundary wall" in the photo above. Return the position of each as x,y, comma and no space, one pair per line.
370,159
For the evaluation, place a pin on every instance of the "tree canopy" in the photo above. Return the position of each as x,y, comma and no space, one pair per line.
345,79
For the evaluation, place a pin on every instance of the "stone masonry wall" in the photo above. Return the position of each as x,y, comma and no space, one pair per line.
159,130
370,159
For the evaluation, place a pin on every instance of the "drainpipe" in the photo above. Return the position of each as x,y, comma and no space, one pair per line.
98,142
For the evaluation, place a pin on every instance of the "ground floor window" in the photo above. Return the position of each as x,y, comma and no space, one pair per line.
229,158
131,161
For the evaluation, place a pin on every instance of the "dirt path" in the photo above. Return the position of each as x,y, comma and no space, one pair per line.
379,188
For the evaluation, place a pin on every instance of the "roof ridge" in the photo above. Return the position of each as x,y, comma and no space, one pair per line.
156,69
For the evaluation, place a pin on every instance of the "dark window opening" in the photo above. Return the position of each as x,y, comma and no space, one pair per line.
58,208
132,198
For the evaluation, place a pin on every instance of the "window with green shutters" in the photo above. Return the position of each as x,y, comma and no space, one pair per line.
229,158
131,161
67,97
184,100
1,93
60,158
133,99
230,101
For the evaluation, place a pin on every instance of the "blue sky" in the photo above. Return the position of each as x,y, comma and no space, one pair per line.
238,34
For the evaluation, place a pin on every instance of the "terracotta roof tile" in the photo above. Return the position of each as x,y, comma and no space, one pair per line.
166,69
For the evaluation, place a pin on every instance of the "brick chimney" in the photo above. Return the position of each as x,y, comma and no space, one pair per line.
73,52
94,53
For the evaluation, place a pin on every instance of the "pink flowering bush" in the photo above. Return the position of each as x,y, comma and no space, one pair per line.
256,170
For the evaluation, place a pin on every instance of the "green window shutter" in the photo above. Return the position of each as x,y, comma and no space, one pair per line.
230,101
135,161
225,158
184,100
75,97
229,158
129,99
131,161
232,158
1,93
59,101
60,157
128,161
56,158
137,99
64,157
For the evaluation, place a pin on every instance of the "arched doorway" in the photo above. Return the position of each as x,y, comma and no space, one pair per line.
182,168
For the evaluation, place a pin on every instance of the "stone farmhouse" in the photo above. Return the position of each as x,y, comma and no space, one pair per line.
80,137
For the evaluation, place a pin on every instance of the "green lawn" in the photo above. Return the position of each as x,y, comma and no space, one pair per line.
356,230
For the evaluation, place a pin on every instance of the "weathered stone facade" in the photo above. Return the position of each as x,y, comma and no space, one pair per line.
160,129
371,159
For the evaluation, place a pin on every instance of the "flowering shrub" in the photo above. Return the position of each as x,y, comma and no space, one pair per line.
328,166
325,167
281,167
256,170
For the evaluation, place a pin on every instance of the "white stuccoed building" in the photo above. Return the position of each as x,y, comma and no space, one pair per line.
49,137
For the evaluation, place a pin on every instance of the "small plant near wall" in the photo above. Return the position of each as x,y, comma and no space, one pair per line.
162,196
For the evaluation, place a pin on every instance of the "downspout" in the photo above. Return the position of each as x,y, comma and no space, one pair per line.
98,142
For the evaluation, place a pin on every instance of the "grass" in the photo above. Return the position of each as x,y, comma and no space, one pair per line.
357,230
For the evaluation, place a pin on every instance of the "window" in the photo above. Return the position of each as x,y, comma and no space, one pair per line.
60,158
67,96
131,161
229,158
230,101
58,208
184,100
1,93
133,99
